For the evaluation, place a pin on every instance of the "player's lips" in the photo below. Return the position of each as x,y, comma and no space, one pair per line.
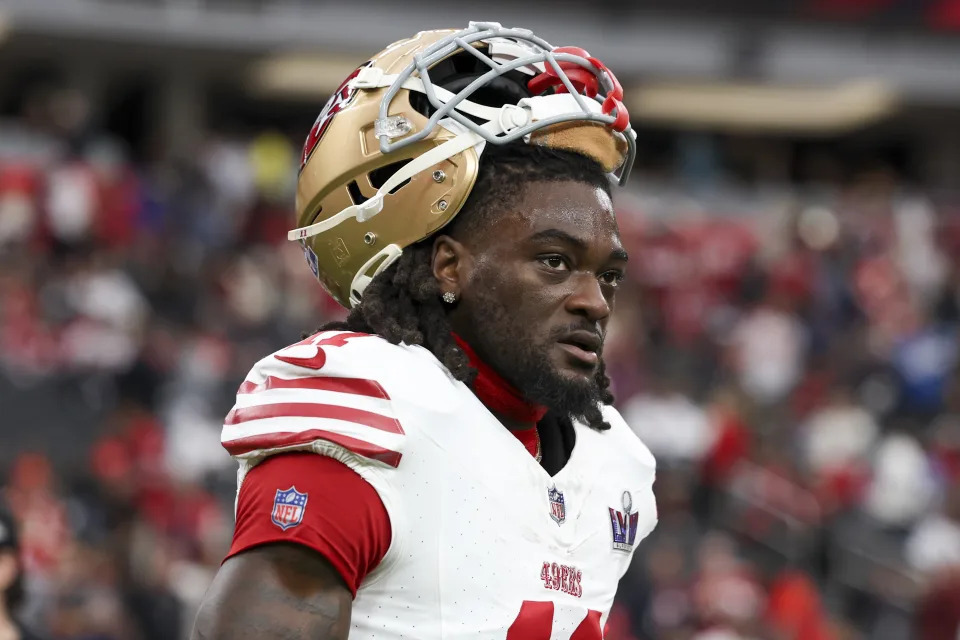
583,346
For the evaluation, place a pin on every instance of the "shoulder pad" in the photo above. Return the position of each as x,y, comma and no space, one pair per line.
303,398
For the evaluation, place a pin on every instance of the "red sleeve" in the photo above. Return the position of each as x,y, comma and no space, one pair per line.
318,502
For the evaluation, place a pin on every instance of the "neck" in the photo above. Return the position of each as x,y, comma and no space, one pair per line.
502,399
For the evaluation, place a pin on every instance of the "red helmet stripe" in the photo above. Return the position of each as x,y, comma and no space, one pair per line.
340,99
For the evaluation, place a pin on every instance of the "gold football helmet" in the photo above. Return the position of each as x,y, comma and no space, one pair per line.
395,151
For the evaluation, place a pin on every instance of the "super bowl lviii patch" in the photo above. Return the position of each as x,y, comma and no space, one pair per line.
624,524
288,507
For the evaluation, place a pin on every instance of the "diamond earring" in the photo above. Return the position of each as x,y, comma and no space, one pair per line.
449,297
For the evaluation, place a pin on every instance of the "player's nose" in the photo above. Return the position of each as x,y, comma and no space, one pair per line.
587,299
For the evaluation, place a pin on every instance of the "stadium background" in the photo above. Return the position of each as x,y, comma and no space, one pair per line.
787,345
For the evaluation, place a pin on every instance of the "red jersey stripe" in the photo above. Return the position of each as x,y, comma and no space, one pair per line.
239,415
285,439
357,386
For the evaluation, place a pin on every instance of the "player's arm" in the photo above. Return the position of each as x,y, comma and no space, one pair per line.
273,592
309,529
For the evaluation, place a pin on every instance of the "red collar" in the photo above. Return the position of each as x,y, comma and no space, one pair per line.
497,394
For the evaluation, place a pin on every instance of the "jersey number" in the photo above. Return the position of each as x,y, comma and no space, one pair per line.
535,622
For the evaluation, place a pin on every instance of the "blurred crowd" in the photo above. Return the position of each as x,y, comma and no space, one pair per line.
791,362
134,297
798,384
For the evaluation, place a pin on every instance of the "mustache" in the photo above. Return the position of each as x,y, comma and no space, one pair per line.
560,332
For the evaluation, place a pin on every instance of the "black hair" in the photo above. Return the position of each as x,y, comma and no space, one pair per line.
403,303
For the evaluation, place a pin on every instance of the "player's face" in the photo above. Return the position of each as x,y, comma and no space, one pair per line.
538,289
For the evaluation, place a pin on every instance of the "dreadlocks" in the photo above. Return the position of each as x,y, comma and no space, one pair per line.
403,303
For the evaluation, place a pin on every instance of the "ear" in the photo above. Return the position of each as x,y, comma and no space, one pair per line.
450,264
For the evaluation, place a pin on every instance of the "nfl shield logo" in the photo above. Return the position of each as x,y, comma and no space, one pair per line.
311,258
288,507
557,509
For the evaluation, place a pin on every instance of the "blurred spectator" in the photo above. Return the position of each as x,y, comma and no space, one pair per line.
19,213
792,360
924,359
11,582
837,439
934,545
727,594
902,487
768,349
939,608
675,429
71,203
794,608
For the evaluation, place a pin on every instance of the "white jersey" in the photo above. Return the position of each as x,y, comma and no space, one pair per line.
485,543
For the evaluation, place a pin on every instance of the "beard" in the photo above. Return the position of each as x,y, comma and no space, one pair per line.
508,346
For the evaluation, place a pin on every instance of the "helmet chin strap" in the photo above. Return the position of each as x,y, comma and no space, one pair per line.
389,254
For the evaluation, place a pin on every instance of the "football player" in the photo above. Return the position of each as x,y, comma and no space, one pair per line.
445,463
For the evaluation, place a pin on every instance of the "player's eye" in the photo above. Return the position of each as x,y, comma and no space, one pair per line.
611,278
555,262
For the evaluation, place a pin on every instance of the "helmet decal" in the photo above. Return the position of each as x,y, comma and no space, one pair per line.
340,99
